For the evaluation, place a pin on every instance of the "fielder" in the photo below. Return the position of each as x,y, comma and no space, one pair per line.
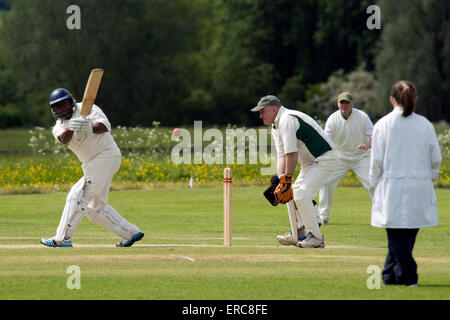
350,130
298,138
90,139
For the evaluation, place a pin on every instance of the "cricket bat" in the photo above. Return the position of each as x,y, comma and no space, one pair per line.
90,92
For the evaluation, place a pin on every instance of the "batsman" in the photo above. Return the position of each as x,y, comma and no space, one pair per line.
91,141
298,139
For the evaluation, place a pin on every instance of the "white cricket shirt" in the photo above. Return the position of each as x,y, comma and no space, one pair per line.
295,131
94,145
348,134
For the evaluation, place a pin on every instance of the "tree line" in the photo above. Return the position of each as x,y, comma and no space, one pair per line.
183,60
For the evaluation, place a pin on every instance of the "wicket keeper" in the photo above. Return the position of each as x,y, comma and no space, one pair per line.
298,138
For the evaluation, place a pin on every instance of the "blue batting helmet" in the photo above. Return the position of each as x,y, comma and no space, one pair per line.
58,95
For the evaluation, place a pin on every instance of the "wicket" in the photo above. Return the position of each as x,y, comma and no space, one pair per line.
227,181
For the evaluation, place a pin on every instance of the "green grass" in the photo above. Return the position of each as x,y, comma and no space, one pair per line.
14,139
182,225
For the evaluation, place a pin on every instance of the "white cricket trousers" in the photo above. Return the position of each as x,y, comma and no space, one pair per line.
360,167
98,174
305,188
89,197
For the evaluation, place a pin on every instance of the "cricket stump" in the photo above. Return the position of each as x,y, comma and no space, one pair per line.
227,181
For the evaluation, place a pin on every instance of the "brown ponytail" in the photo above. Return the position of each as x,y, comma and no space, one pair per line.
404,93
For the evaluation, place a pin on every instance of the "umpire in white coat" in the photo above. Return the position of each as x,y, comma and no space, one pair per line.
405,160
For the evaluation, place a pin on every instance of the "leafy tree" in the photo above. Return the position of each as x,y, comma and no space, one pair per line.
359,82
178,61
284,47
142,46
415,46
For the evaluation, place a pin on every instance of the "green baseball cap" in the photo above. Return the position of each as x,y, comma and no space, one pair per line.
269,100
347,96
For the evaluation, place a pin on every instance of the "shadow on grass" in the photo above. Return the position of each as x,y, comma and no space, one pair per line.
434,285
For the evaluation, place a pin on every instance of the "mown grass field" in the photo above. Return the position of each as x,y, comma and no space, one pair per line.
182,254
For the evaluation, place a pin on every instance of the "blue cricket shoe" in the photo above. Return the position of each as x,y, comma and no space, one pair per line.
128,243
56,244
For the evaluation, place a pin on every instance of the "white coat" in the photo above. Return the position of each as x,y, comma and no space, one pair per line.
404,161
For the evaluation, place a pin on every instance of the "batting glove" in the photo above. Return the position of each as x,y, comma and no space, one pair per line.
79,124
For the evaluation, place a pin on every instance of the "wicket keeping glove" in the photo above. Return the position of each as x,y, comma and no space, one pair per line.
283,193
269,192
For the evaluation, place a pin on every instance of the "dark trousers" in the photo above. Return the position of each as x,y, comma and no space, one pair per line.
400,267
